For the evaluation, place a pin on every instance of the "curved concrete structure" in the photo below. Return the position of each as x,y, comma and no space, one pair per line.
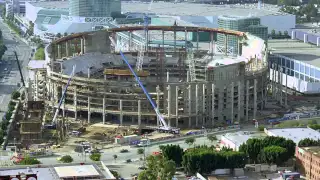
226,88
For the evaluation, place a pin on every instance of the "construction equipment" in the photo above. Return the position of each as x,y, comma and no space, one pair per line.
164,127
21,75
63,96
192,63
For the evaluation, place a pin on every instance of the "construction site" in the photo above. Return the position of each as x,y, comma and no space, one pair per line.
132,76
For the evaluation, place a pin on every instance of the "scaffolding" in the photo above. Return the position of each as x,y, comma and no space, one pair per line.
192,64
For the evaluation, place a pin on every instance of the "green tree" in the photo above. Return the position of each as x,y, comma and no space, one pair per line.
15,94
29,161
66,159
115,174
314,126
285,33
308,142
190,141
58,35
273,155
140,152
95,156
3,49
172,152
158,167
31,28
1,136
252,148
273,33
280,33
212,138
65,34
206,159
39,55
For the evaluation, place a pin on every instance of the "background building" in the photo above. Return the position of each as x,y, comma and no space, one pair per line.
308,159
244,24
94,8
295,134
235,140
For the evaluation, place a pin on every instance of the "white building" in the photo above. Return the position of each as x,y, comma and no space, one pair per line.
295,65
234,140
295,134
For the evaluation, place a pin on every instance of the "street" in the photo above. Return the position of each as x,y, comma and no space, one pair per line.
9,72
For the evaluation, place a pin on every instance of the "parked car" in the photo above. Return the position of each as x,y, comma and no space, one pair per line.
124,150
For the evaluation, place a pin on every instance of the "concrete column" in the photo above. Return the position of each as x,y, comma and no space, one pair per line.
212,45
286,90
130,40
158,102
226,44
169,105
68,49
197,41
280,87
139,113
121,112
262,92
239,101
36,85
89,72
82,45
168,76
175,42
247,100
273,80
75,101
177,106
293,35
197,105
63,103
255,99
318,41
162,39
188,76
59,51
232,101
305,38
104,110
239,47
189,105
212,104
204,115
89,110
185,39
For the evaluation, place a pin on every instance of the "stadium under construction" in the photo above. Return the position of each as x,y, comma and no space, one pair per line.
192,84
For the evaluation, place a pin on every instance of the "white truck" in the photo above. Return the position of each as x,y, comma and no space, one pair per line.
144,142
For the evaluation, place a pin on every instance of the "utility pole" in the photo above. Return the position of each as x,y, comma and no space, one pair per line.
21,75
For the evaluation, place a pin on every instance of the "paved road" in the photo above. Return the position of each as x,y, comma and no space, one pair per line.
9,72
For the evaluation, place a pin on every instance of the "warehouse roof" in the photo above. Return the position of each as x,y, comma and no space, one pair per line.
241,137
191,9
295,134
76,171
296,50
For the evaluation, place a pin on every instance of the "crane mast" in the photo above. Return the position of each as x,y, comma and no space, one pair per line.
164,127
63,95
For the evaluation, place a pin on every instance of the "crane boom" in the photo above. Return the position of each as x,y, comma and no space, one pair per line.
163,122
63,95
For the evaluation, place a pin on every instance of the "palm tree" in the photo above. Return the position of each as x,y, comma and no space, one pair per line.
140,151
190,141
212,138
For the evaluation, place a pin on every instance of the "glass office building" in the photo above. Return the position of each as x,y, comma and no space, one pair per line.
94,8
244,24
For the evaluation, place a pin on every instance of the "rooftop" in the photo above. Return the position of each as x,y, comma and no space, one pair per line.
297,50
51,4
241,137
314,149
295,134
76,171
43,173
167,8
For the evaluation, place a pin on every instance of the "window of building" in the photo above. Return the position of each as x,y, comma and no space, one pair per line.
292,65
307,70
302,68
288,63
317,73
301,77
312,72
296,75
296,66
283,62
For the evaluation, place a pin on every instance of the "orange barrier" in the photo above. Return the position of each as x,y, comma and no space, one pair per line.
125,72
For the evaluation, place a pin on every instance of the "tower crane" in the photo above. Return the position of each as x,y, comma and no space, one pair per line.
164,126
143,45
